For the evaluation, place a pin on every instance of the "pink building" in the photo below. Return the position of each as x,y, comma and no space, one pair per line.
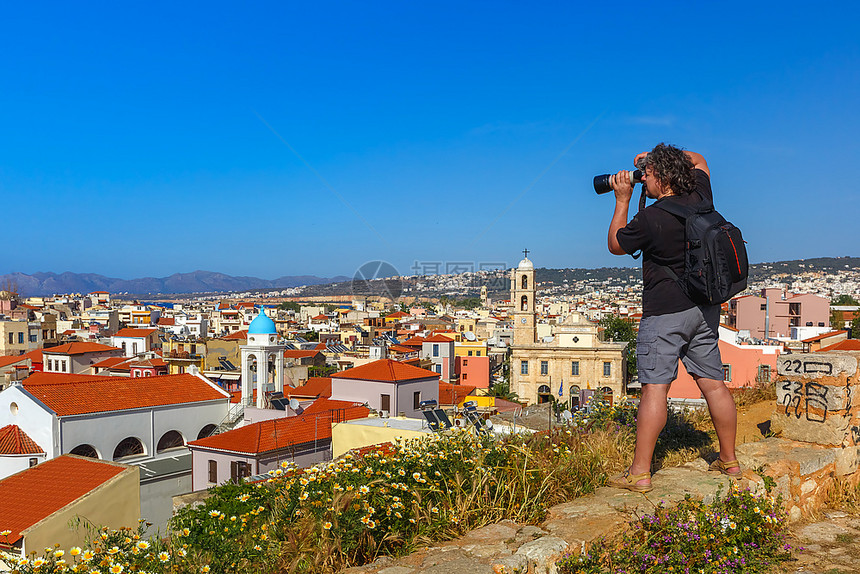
473,371
743,366
775,312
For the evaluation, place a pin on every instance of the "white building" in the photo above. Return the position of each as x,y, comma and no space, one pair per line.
141,421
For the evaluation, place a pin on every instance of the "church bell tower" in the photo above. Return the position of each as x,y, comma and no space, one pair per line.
523,300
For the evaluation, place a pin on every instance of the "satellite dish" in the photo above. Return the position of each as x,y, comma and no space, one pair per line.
294,404
488,423
470,336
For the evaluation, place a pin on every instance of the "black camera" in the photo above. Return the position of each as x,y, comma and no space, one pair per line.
603,183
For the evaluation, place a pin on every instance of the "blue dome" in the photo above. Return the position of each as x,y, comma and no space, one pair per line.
262,325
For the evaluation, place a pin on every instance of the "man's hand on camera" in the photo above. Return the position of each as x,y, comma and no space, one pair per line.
622,186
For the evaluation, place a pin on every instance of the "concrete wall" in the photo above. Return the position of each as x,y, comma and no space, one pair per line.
156,499
346,437
115,504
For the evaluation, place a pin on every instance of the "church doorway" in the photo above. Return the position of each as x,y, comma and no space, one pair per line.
544,394
574,398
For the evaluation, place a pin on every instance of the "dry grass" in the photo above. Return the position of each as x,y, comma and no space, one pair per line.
844,495
745,396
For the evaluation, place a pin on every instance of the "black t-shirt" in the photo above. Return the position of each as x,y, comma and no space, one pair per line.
660,237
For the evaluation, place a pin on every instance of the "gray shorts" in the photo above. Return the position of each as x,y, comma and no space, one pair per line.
690,335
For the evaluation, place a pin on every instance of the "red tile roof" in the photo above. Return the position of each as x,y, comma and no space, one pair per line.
149,363
846,345
414,341
79,348
385,370
132,332
397,315
314,387
34,494
320,318
276,434
320,347
15,441
106,394
35,355
166,321
453,394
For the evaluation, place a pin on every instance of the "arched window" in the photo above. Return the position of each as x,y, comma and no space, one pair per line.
206,431
524,305
128,447
524,282
170,439
86,450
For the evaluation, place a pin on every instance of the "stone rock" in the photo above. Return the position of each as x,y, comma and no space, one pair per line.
460,566
511,564
847,461
499,532
487,550
544,553
821,532
770,452
397,570
816,365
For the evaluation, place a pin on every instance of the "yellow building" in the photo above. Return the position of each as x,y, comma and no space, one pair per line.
467,348
570,359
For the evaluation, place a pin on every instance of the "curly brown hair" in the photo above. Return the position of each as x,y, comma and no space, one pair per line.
672,167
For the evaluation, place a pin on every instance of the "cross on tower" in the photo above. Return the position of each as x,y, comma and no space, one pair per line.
526,253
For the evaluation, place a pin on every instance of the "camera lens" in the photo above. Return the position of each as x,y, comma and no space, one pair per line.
602,183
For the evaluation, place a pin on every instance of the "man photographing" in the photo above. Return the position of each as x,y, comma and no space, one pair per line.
673,326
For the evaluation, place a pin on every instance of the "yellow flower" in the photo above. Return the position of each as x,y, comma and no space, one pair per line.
364,490
205,568
113,550
75,551
143,544
163,556
38,562
88,555
327,525
58,553
6,533
116,568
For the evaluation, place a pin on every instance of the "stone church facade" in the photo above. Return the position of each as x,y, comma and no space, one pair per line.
571,360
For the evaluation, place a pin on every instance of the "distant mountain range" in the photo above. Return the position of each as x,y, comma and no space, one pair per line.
195,282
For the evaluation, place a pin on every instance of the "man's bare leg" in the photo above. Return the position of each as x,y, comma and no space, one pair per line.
724,413
650,420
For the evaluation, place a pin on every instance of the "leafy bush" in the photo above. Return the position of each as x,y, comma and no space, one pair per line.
741,532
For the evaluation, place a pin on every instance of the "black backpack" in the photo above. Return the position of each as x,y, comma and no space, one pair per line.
715,255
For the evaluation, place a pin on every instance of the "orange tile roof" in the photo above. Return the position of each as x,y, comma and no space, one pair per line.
453,394
320,318
397,315
150,363
79,348
166,321
44,378
106,394
15,441
276,434
401,349
386,370
314,387
110,362
414,341
34,494
824,336
132,332
846,345
35,355
354,409
320,347
438,339
238,335
11,360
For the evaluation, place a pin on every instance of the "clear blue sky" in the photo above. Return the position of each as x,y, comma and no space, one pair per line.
152,138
